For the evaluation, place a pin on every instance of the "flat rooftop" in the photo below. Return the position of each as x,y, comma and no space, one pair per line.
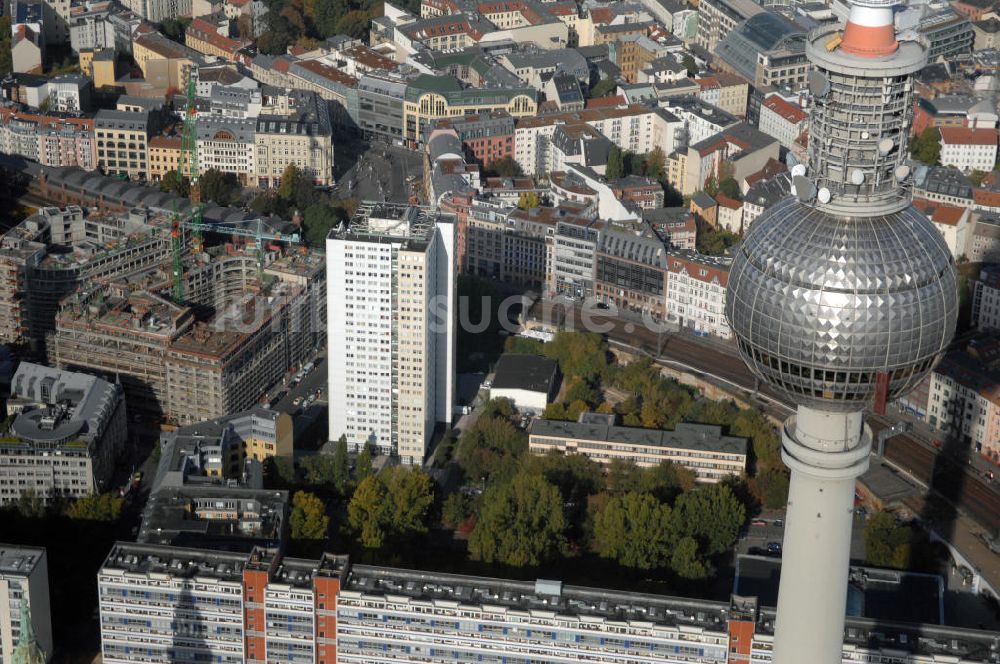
519,371
695,437
878,594
539,595
19,560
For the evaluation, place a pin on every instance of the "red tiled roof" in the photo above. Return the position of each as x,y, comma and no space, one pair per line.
789,112
966,136
939,213
986,198
601,15
605,102
726,201
694,269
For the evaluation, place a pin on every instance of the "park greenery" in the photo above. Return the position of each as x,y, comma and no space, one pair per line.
927,146
304,22
6,61
713,241
308,517
391,506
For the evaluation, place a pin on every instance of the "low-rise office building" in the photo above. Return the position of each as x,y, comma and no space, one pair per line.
68,432
701,448
527,381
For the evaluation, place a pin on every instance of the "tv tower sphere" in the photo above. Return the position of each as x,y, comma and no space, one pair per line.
840,294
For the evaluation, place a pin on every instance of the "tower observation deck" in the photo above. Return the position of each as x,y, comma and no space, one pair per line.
841,295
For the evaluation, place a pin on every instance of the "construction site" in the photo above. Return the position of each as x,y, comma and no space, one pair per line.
195,320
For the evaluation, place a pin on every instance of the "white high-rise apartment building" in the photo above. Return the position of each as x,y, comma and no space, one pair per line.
24,577
391,327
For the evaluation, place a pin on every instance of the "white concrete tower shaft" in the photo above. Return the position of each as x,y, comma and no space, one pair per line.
826,452
861,87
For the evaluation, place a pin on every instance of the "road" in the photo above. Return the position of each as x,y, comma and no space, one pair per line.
381,173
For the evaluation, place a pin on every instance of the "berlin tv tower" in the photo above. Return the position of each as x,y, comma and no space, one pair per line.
840,295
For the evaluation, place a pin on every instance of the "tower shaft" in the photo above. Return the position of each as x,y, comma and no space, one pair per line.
826,452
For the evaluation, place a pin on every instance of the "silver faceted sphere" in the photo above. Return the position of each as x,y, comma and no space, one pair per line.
820,304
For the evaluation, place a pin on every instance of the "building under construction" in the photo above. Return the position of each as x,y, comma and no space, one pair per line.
192,331
211,355
51,254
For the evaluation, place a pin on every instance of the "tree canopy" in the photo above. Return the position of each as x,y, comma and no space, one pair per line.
308,518
602,88
391,506
96,507
927,146
222,188
887,542
521,523
635,530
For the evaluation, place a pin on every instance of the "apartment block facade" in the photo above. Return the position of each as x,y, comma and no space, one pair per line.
24,583
161,604
391,316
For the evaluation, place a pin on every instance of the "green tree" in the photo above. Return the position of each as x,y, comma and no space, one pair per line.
616,164
6,63
391,506
457,507
175,28
575,409
363,467
317,221
341,469
685,561
274,43
222,188
887,543
354,24
31,505
173,183
524,345
326,14
666,480
308,518
772,487
927,146
689,63
584,390
581,354
289,180
765,443
635,530
318,469
655,164
730,187
504,167
602,88
554,411
712,515
714,241
521,523
528,200
96,507
490,445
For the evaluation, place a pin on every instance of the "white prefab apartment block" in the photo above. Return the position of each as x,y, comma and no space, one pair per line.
24,575
391,328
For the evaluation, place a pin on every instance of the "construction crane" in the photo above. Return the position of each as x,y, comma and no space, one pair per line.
187,168
252,228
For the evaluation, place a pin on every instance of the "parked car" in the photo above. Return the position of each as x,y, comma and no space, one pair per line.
758,522
774,548
779,523
756,551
